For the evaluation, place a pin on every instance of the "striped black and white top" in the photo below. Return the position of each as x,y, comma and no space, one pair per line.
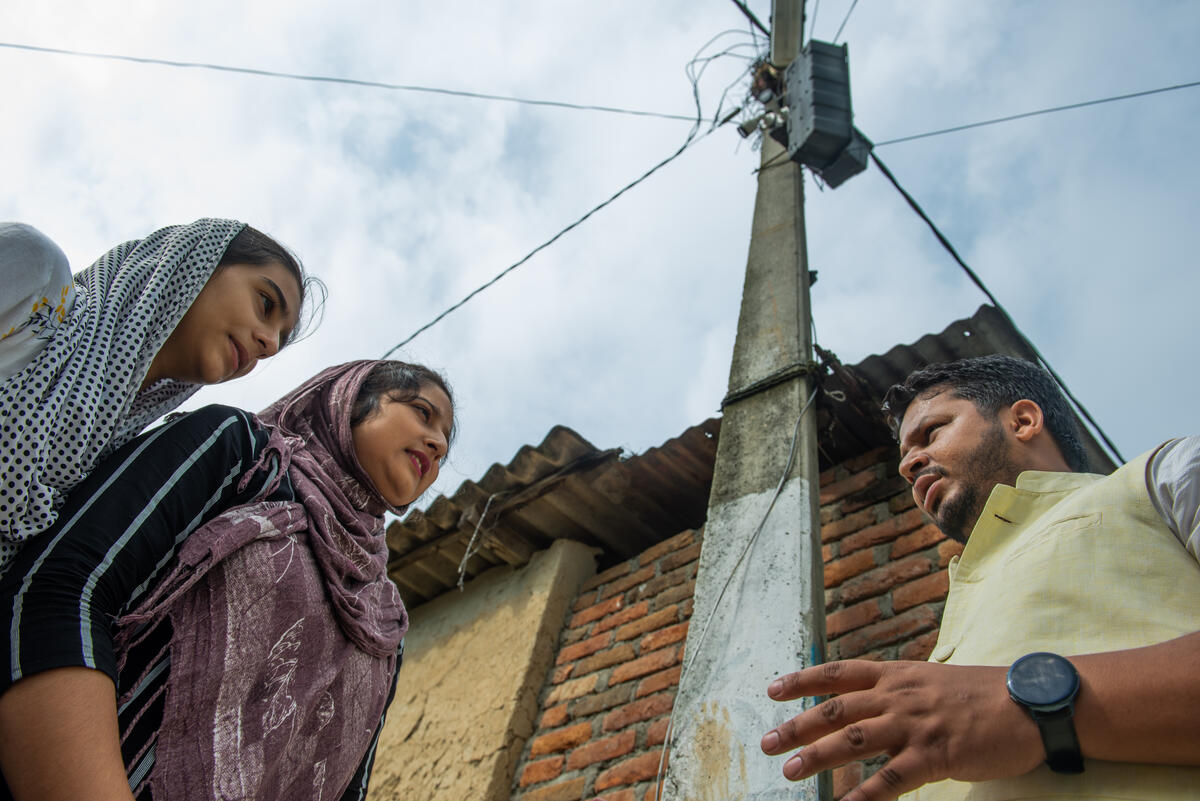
114,539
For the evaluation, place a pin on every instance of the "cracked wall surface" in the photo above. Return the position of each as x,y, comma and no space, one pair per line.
474,665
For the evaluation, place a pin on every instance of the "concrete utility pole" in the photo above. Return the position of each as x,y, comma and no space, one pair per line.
758,612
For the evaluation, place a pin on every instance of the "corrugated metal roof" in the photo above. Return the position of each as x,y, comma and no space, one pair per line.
567,488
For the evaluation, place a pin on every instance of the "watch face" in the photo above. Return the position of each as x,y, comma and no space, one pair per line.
1042,679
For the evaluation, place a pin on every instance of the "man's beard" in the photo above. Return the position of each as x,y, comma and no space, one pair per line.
985,467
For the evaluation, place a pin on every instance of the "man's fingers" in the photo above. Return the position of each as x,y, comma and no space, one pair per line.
897,777
826,679
859,740
824,718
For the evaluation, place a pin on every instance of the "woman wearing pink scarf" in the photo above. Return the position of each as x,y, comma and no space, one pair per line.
256,635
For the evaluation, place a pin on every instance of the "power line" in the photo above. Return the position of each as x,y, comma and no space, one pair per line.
691,140
398,87
979,283
982,123
750,16
845,19
812,29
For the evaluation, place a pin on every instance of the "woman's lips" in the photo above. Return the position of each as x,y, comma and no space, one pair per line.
420,461
240,357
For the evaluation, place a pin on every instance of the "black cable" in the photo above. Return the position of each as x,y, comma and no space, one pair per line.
812,29
979,283
750,16
690,141
348,81
1040,111
844,21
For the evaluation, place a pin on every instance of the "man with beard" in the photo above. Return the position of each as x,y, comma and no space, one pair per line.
1068,661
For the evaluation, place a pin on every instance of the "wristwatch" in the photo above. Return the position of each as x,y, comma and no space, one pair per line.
1046,685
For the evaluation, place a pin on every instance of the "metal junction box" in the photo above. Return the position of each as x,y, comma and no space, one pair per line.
820,121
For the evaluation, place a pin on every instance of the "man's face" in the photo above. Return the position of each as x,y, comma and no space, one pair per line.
953,456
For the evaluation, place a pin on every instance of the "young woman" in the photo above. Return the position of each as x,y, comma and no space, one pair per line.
256,634
152,320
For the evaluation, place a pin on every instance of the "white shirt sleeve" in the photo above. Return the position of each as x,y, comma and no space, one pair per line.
36,294
1173,478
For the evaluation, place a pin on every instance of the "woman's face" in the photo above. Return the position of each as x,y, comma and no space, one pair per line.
245,312
402,444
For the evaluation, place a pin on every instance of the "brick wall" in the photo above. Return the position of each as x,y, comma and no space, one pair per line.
605,706
885,577
606,702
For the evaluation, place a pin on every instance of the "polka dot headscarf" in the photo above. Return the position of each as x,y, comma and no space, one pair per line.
78,399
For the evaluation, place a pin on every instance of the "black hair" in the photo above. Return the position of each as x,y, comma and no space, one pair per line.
252,246
992,383
398,382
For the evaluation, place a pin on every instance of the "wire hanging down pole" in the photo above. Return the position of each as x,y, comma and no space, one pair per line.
983,288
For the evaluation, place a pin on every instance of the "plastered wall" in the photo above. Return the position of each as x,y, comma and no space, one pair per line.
475,662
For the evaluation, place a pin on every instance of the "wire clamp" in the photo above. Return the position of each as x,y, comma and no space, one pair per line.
794,370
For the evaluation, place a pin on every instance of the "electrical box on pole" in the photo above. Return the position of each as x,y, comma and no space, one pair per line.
820,122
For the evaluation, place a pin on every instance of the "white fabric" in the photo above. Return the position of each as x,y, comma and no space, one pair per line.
1173,479
79,398
36,294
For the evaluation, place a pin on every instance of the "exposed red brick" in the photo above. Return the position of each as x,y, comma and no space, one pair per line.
617,654
680,558
881,454
585,648
661,618
657,639
656,734
921,591
829,476
553,717
919,540
659,583
846,778
918,650
681,592
852,617
616,571
638,769
618,795
883,578
882,532
902,626
850,523
626,582
572,689
856,482
561,740
643,709
572,636
643,666
839,570
598,702
585,600
948,549
876,493
681,540
652,792
685,608
624,616
596,611
658,681
561,674
569,790
541,771
826,553
898,503
830,513
602,750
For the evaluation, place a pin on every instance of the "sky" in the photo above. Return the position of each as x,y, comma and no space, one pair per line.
1082,223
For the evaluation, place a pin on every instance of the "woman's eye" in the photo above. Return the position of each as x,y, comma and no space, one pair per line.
424,412
268,302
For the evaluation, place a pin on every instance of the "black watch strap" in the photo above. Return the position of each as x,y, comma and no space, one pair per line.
1059,740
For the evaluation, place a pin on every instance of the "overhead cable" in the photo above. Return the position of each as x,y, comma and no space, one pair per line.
397,87
979,283
750,16
1009,118
845,19
812,29
687,144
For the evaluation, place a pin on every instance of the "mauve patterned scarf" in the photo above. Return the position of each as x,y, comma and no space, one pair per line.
285,623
